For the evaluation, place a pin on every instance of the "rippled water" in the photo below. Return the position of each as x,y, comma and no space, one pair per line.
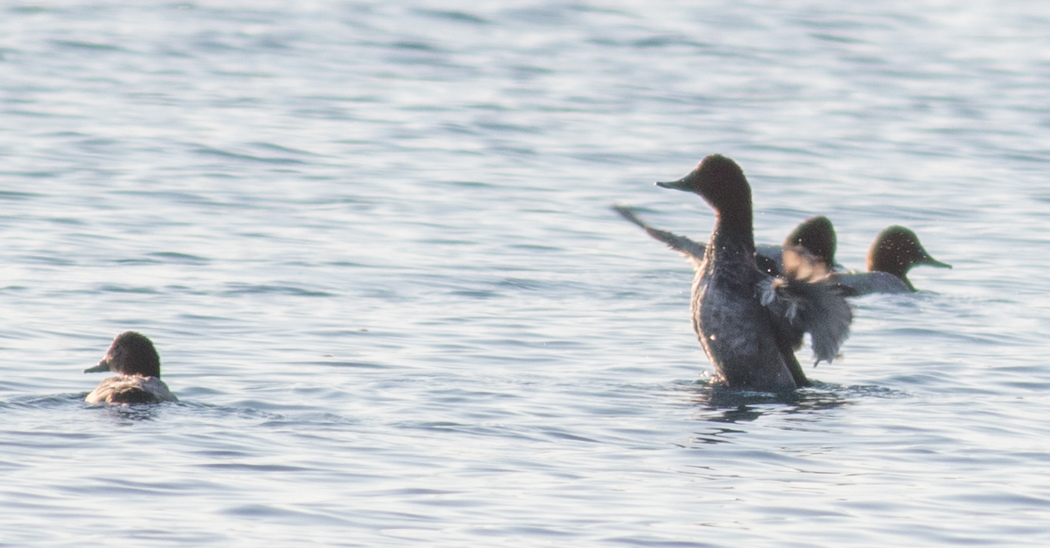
374,247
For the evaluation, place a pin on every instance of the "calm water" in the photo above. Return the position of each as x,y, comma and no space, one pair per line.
374,247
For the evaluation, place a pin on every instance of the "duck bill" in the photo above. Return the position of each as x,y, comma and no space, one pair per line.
102,366
685,183
930,261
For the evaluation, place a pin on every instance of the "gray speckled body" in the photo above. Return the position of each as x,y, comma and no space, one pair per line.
865,283
736,331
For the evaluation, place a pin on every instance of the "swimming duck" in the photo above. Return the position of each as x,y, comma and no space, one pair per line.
816,235
749,322
133,356
893,253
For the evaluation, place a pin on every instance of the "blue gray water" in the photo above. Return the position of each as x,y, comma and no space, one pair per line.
373,245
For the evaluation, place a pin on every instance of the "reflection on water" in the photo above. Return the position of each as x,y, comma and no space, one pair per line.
718,402
127,415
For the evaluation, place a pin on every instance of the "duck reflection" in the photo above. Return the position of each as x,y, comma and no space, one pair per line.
717,402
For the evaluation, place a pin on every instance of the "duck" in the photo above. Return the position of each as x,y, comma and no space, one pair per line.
893,253
816,235
133,356
748,322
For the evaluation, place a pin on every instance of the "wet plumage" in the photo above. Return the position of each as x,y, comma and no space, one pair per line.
749,322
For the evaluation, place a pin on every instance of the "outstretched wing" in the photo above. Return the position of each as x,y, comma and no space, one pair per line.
694,251
806,300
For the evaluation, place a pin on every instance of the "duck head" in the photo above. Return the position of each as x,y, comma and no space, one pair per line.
816,235
896,250
131,353
721,182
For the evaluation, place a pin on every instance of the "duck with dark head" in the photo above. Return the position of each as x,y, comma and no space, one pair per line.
137,364
749,322
895,251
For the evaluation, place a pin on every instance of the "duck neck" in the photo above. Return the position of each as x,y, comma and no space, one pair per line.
738,226
877,264
902,275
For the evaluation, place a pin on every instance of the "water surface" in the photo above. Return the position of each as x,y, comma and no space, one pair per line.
373,245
